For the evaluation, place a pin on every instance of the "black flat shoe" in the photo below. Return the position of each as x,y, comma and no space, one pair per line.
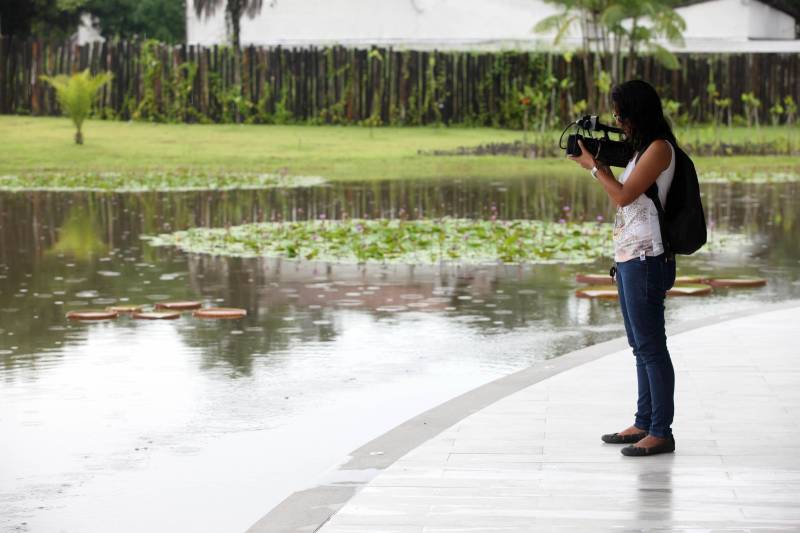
616,438
668,446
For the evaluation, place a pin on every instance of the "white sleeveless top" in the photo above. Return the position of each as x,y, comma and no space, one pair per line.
636,229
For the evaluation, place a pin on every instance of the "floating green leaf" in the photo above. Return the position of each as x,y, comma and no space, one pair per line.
404,241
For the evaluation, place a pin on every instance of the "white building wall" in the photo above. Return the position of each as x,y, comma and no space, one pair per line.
736,20
418,23
712,26
767,22
716,19
88,30
205,30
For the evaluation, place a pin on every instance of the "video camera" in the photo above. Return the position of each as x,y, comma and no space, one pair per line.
613,153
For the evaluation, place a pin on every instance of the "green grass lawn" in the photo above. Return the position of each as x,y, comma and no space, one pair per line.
41,146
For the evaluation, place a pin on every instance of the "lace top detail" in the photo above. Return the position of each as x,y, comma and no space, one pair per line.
636,229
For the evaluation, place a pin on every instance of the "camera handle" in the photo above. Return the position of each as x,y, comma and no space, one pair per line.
561,139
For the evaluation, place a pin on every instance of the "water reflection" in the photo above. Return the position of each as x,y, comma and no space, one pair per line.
320,340
84,250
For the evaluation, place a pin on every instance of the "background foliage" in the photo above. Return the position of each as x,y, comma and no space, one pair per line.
161,83
164,20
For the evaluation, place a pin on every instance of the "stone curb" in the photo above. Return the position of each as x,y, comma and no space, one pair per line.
308,510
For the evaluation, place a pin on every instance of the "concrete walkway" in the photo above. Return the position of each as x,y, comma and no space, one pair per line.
533,461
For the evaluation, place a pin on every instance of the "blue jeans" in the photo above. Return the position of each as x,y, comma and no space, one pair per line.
642,286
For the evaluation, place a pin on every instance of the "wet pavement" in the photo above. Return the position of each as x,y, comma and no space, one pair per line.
533,461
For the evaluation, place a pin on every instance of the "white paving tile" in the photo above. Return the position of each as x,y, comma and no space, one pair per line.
533,461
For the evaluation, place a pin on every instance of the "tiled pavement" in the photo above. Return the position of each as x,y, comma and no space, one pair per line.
533,461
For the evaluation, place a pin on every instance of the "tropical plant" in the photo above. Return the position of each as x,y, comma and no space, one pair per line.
775,113
579,108
639,24
671,110
423,241
751,106
76,94
609,26
585,14
234,10
723,105
604,84
791,110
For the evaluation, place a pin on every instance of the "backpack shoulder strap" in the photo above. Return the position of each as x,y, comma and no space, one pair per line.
652,193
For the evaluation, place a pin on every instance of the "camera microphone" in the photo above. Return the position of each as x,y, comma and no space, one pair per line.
592,123
605,150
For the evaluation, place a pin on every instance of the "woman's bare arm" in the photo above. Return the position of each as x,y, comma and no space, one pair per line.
655,159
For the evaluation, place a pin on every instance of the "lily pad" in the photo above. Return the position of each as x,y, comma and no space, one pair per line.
593,279
737,283
608,292
157,315
427,241
224,313
126,309
92,315
690,289
179,306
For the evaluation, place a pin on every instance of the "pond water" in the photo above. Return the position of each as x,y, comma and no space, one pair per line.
204,426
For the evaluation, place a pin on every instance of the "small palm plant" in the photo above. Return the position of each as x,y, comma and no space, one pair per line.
76,94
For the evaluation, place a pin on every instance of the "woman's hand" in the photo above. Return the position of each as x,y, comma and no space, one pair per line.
585,159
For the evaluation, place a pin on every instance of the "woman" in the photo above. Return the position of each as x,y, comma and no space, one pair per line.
644,271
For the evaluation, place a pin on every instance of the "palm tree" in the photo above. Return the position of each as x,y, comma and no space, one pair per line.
76,94
645,21
608,25
234,9
587,14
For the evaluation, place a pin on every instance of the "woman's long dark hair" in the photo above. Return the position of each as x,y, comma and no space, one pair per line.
638,103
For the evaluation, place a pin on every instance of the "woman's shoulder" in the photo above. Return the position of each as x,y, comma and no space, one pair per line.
661,146
661,151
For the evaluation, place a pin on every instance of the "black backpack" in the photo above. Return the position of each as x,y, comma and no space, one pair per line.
683,224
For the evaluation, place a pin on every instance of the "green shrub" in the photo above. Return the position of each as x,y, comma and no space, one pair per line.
76,94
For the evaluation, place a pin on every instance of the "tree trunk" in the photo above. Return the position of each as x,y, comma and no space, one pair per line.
616,60
588,75
235,10
632,52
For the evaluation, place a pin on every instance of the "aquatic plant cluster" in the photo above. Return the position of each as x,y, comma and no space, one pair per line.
151,181
759,177
429,241
177,181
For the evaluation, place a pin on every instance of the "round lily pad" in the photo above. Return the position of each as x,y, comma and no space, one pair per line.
179,306
593,279
125,309
683,280
598,291
738,283
220,312
92,315
157,315
690,289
